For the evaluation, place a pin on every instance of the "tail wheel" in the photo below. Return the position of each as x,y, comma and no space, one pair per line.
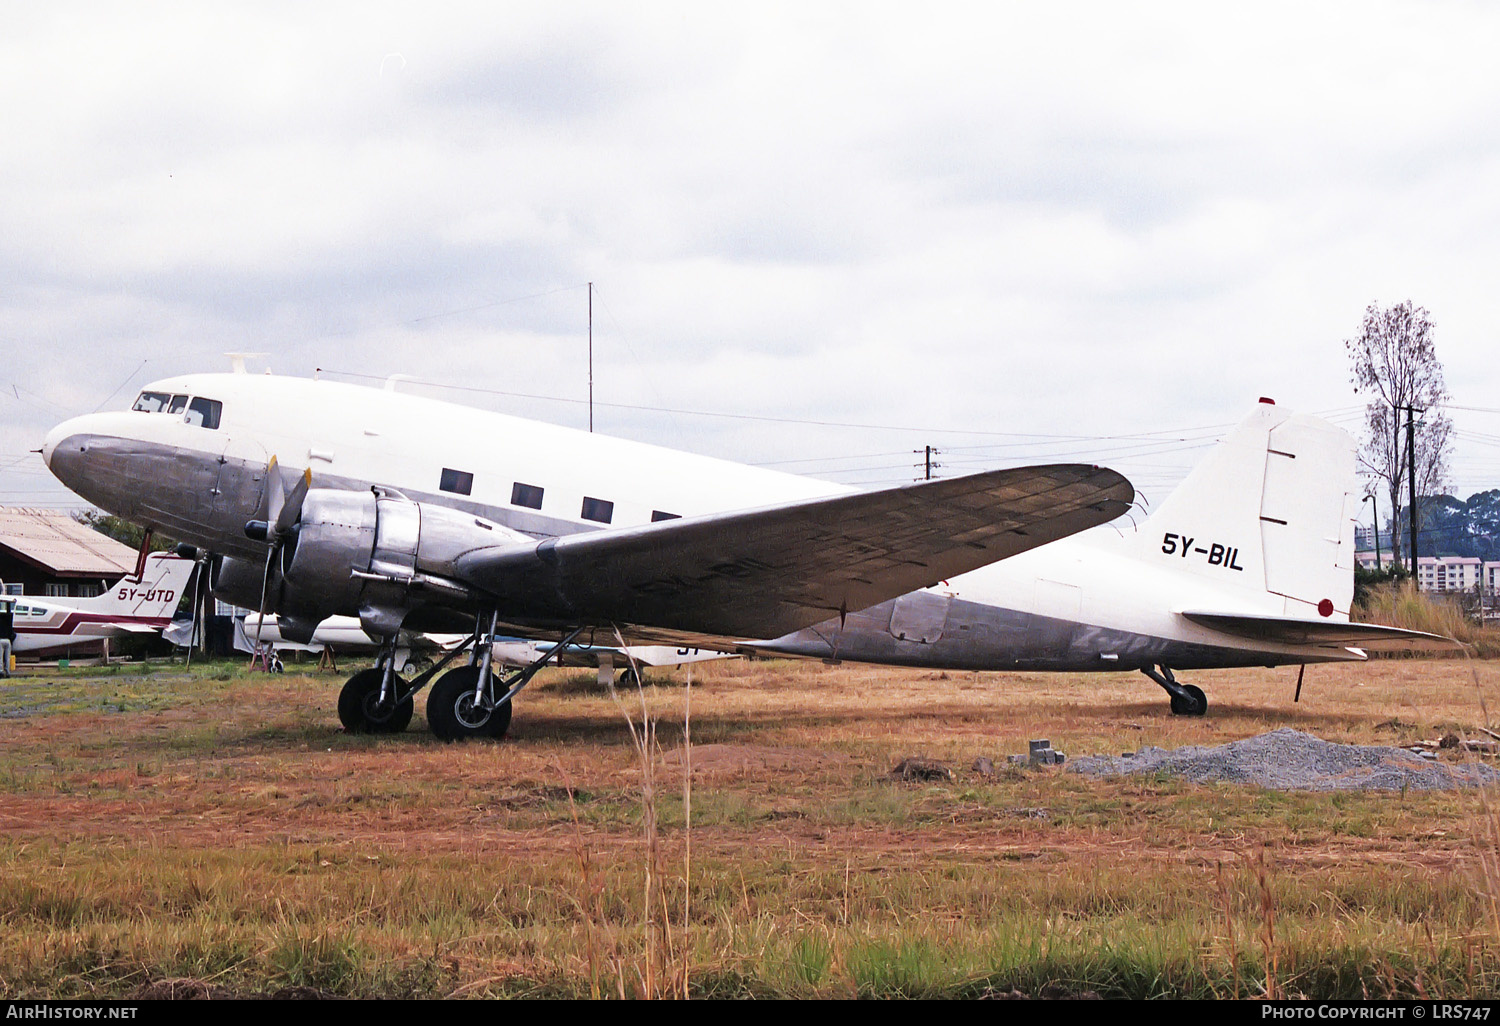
1195,705
454,715
359,705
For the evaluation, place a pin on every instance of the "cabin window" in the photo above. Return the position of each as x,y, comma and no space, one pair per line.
601,510
179,403
526,495
457,481
151,402
657,516
204,412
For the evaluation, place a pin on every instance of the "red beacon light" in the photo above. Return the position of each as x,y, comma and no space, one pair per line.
1268,402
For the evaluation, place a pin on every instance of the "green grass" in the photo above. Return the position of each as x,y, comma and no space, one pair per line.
225,831
264,919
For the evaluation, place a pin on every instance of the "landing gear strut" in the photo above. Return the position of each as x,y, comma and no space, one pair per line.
1187,699
377,701
466,702
472,702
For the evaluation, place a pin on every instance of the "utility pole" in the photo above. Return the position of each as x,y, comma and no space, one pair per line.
927,465
591,357
1411,472
1375,512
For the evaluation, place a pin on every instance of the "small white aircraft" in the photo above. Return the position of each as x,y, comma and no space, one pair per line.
320,498
140,603
344,634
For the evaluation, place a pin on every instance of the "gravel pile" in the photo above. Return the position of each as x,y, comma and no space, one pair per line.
1289,760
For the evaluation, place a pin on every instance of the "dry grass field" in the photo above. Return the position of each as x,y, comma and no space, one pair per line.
217,829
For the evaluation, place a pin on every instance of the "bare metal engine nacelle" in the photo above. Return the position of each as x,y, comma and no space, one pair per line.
238,581
377,555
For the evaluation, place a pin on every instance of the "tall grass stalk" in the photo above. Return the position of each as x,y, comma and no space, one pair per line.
687,817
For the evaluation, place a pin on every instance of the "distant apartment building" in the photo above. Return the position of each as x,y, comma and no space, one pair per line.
1443,573
1449,573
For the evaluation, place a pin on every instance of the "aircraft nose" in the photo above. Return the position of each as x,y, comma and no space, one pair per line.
64,449
53,439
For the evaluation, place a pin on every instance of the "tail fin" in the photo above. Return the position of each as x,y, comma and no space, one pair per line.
1270,511
163,582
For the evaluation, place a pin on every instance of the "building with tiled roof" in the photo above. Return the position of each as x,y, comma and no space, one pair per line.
47,552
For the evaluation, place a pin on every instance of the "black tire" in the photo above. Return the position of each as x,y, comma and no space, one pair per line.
1196,706
628,678
358,710
451,713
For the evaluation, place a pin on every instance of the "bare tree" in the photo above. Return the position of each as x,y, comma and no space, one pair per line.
1395,363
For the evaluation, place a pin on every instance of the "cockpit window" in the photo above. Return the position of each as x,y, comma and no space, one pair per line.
179,403
204,412
151,402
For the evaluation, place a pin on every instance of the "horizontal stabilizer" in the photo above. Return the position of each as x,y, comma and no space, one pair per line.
1321,633
766,572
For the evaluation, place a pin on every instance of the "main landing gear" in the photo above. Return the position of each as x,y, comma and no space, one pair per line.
1187,699
466,702
378,701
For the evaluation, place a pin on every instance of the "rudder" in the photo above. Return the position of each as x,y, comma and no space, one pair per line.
1270,511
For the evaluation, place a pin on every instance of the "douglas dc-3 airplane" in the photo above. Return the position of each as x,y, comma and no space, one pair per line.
319,498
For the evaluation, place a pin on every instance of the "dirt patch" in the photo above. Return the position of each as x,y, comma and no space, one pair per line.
180,989
718,761
187,989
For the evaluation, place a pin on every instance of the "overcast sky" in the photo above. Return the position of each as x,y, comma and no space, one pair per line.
1065,222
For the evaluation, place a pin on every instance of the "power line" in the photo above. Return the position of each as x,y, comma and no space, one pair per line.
761,417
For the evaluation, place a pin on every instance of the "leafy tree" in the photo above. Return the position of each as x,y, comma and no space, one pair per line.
1395,362
121,530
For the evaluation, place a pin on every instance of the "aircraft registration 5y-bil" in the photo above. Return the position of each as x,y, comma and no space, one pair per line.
315,498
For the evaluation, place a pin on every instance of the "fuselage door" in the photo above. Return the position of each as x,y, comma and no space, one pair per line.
240,482
919,616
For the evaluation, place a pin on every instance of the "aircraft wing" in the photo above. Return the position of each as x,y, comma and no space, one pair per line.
1321,633
766,572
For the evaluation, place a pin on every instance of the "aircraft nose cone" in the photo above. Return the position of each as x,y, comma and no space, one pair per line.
64,451
55,438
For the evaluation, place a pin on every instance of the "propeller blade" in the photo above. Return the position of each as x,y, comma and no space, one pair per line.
275,493
292,509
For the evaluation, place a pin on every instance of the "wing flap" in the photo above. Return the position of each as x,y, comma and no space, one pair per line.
1319,633
766,572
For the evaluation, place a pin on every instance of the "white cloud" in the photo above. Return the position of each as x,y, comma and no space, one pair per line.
1070,218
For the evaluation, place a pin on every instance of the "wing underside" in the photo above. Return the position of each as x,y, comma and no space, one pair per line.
766,572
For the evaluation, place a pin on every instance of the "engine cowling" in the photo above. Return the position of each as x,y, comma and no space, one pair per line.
374,554
238,581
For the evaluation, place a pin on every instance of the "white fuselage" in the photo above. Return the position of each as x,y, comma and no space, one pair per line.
1117,587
